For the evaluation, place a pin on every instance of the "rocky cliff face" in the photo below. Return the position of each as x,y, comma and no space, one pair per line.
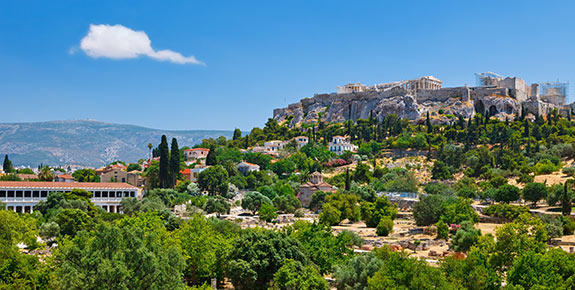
441,104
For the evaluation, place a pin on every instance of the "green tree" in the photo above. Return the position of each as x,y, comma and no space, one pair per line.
507,193
258,254
128,256
456,211
354,273
268,212
72,220
566,204
428,210
442,230
293,275
401,272
164,174
214,180
7,166
524,234
86,175
174,165
217,204
134,166
441,171
46,174
385,226
205,249
534,192
322,247
330,215
554,269
465,237
237,134
254,200
372,212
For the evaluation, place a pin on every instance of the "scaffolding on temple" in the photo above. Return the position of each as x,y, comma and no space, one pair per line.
487,79
554,89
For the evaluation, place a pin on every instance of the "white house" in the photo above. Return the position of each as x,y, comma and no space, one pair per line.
246,167
339,144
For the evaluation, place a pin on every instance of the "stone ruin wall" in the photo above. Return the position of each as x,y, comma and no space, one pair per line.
414,105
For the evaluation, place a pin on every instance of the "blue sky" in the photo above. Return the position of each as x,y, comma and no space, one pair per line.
260,55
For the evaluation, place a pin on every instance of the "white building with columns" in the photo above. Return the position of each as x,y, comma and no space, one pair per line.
22,196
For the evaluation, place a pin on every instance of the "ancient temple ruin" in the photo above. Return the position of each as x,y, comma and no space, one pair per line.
496,95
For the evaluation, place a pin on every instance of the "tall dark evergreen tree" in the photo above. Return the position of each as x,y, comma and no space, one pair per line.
428,124
347,180
7,164
566,198
211,158
237,134
174,162
164,162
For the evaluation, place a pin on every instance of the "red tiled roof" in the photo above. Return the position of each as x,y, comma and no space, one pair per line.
186,171
70,185
66,176
250,164
198,149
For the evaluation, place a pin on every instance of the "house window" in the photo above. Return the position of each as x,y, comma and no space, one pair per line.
123,179
2,193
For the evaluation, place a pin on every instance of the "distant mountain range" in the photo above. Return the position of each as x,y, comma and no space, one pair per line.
88,143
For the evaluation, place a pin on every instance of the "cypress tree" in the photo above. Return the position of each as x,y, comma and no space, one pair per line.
7,164
211,158
566,199
164,162
247,141
428,123
347,180
237,134
174,162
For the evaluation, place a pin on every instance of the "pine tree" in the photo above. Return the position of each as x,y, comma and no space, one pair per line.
7,164
164,162
174,162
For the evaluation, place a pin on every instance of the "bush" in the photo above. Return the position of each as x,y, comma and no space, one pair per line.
569,171
385,226
503,210
545,167
299,213
442,230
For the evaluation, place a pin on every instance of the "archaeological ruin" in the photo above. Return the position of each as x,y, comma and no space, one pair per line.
493,94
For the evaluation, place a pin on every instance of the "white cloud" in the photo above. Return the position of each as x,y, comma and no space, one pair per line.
120,42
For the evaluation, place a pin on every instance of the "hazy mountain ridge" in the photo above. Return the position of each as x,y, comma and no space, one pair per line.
90,143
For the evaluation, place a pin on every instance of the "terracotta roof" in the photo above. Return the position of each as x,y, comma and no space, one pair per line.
198,149
186,171
249,164
70,185
66,176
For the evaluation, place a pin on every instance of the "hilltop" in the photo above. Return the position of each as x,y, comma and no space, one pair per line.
88,143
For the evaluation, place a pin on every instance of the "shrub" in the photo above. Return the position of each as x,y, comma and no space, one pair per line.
442,230
299,213
385,226
569,171
503,210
